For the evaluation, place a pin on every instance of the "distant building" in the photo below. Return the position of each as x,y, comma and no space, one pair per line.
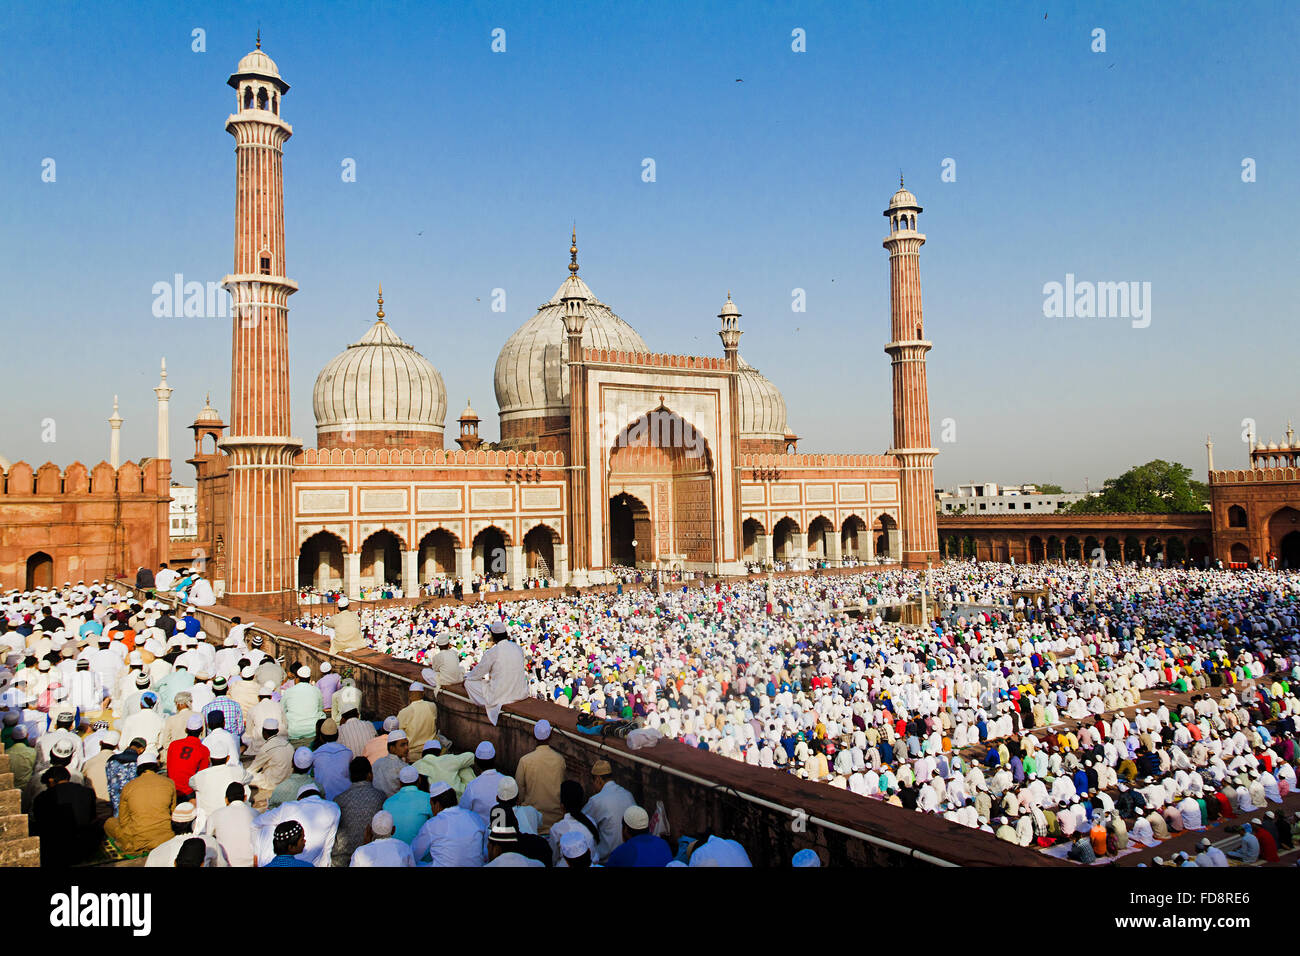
183,516
989,498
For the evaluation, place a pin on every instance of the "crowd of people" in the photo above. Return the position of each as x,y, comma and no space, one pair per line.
1043,702
1087,712
131,735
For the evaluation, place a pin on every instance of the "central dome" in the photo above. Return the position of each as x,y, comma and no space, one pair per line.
379,390
532,375
762,408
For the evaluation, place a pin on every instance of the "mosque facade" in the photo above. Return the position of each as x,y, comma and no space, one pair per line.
610,454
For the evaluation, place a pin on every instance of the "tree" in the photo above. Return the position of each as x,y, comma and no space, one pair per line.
1047,488
1158,487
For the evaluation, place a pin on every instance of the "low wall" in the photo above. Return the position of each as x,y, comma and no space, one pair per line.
772,813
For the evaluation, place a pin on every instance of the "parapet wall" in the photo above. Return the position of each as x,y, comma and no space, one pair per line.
427,456
819,461
772,813
703,363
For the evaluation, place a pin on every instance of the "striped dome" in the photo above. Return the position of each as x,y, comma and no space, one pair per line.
380,382
532,375
762,409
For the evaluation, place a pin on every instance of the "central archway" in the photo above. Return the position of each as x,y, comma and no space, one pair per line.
381,560
320,562
629,521
1284,537
675,517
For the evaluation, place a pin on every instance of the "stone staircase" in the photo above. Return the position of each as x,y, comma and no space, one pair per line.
16,847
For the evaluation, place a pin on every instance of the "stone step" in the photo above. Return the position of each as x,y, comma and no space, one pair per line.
6,781
11,801
24,852
4,763
13,827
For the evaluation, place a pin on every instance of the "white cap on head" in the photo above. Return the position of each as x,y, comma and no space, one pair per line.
438,787
343,602
111,738
267,688
408,775
304,672
485,751
381,824
271,724
195,722
635,818
416,687
443,639
507,788
303,757
542,729
149,756
307,788
433,743
325,667
395,735
574,844
390,723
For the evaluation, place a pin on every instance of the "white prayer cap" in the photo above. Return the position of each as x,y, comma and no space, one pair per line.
135,657
381,824
248,672
438,787
304,672
267,689
507,789
303,757
806,858
433,743
307,788
232,640
19,733
485,751
395,735
342,602
149,756
497,627
443,639
194,723
325,667
270,724
416,687
408,774
574,844
111,738
184,813
636,818
390,723
542,729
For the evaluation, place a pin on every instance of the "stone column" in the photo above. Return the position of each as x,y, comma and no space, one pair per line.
869,553
352,574
465,565
763,547
833,553
378,574
561,570
895,544
515,567
410,572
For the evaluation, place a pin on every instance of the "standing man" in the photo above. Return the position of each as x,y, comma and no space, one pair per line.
606,808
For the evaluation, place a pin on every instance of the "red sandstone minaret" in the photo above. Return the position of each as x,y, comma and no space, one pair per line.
907,348
260,557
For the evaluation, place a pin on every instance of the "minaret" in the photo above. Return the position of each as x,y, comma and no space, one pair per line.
1209,454
907,348
574,320
468,422
730,334
115,438
164,393
261,559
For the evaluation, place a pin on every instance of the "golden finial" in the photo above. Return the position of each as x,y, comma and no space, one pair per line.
259,38
573,253
380,313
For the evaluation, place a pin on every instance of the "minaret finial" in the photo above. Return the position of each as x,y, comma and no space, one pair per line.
900,179
259,38
573,252
380,314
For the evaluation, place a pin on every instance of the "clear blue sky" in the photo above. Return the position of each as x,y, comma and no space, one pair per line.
1115,166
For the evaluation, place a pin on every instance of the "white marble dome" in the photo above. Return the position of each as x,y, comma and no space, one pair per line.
532,375
258,62
380,382
762,409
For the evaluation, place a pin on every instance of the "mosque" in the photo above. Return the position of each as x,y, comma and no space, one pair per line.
610,454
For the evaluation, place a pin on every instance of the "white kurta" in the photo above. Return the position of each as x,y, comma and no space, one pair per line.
498,679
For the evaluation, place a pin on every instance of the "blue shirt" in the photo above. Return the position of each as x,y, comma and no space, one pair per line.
284,859
642,850
410,809
330,768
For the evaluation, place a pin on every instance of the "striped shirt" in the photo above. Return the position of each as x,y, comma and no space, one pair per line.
229,707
